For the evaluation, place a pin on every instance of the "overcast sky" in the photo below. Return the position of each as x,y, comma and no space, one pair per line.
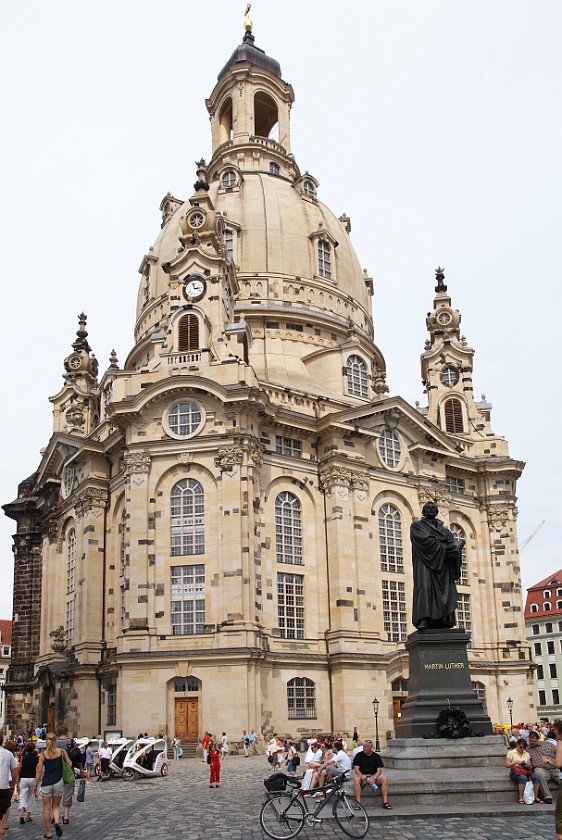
436,126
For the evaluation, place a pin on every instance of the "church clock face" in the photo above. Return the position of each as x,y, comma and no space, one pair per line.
194,288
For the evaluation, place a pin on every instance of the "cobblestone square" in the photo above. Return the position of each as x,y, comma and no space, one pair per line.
183,805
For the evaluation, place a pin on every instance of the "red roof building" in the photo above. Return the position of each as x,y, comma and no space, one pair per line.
544,599
543,628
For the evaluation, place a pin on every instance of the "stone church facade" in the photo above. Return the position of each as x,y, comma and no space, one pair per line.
217,534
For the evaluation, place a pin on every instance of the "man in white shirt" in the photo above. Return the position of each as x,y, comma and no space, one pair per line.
8,772
340,763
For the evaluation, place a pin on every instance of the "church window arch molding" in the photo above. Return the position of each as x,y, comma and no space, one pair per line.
288,528
70,600
356,373
391,539
266,115
324,255
188,332
301,699
460,534
453,415
187,518
225,121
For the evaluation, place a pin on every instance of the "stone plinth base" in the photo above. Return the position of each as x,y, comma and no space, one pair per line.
439,679
442,772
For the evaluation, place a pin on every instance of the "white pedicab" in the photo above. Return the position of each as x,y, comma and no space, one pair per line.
146,757
119,749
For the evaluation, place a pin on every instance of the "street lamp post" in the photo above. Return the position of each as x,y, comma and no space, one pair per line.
376,711
510,709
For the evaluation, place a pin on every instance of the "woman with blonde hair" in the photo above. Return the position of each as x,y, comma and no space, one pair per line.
50,774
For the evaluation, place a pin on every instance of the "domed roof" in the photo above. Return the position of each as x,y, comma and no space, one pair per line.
247,51
277,237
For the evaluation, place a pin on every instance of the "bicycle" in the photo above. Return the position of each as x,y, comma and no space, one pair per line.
285,813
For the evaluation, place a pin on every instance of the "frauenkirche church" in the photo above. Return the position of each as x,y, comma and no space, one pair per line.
216,536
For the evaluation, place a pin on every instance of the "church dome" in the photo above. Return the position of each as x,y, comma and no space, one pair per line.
295,284
277,232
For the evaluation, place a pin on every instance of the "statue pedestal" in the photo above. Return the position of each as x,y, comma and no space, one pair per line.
439,678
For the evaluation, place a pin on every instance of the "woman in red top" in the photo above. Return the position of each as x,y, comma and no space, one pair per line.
215,762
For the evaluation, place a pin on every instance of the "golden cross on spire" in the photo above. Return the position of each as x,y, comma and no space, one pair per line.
247,20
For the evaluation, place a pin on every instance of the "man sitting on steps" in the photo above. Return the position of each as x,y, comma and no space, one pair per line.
368,766
542,755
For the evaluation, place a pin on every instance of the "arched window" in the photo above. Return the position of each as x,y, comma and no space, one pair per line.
546,593
390,539
546,606
265,114
122,544
187,508
324,259
188,333
288,528
70,586
71,561
534,608
453,416
301,699
229,243
357,377
459,534
225,121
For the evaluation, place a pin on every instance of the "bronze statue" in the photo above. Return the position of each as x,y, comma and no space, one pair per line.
436,558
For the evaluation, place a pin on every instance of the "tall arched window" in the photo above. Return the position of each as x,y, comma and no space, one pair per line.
324,259
265,114
229,243
71,561
301,698
288,528
357,377
187,508
70,586
459,534
453,416
188,333
390,539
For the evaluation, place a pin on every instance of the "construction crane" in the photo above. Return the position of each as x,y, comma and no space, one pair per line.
530,537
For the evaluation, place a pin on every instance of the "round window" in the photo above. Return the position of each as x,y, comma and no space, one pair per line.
228,179
449,376
184,419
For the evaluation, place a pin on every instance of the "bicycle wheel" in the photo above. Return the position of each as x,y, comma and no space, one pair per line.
351,816
282,817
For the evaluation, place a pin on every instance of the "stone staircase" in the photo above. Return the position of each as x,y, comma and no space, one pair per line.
452,772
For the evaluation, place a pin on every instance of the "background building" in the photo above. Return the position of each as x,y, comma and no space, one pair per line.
543,625
227,514
5,655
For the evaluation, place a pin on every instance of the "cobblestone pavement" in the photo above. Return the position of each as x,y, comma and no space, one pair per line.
182,805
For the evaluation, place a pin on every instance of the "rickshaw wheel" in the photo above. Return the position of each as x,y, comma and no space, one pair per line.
164,769
128,774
